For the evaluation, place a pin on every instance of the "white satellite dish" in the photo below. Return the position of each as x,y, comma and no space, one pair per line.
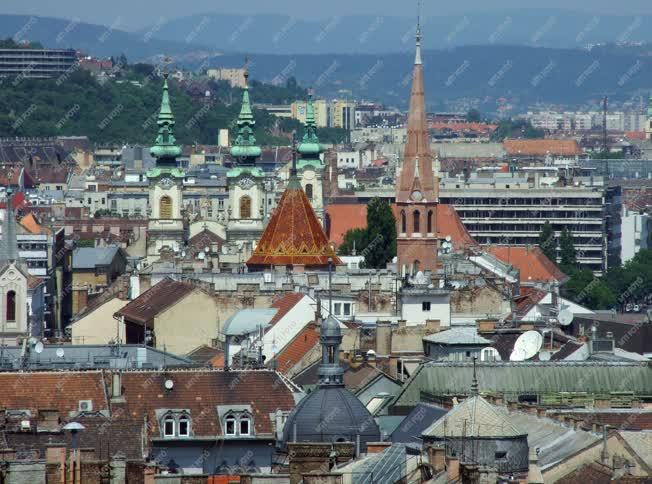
490,354
169,384
448,238
527,345
544,355
565,317
60,352
38,347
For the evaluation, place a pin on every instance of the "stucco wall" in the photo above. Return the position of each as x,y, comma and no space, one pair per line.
99,327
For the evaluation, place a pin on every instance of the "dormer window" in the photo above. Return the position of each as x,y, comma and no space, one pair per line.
176,424
238,424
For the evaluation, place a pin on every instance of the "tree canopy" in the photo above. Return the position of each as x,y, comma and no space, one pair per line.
548,242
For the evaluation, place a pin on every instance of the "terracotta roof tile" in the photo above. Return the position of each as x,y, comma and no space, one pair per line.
284,304
293,235
526,302
205,238
32,225
542,147
530,261
201,391
153,301
296,349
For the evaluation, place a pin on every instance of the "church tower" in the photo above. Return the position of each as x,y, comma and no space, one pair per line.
310,165
417,188
165,228
245,179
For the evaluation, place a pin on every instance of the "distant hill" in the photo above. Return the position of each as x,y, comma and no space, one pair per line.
92,39
520,74
276,34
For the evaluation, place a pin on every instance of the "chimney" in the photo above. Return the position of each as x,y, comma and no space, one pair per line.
433,325
377,447
383,338
486,325
453,468
534,475
116,386
437,458
604,454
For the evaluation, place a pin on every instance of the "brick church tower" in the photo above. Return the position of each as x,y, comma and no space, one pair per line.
417,189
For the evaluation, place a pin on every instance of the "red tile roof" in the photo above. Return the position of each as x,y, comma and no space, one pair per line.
542,147
153,301
203,239
345,217
284,304
52,391
532,263
30,223
526,302
201,392
293,235
296,349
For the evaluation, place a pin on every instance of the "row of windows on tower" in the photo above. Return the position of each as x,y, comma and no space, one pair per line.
416,222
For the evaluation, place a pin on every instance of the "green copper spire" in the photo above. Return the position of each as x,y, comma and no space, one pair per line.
310,149
165,149
244,148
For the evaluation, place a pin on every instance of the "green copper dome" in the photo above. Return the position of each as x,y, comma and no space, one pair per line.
165,149
309,148
245,148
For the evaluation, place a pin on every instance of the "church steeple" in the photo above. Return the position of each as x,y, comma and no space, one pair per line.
9,247
245,148
309,148
417,188
165,149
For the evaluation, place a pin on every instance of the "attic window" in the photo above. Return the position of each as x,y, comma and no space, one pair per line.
500,455
184,427
244,426
168,426
230,426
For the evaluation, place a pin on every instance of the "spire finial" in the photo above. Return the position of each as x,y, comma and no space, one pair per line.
417,58
330,285
246,71
474,383
293,170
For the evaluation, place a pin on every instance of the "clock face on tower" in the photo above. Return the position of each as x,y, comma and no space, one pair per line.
417,196
166,183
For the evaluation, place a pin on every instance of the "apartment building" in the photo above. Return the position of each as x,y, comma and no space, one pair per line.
234,76
511,208
36,63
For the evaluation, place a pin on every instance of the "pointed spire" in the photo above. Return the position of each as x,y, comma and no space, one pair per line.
9,248
245,148
417,57
474,382
165,149
293,181
309,148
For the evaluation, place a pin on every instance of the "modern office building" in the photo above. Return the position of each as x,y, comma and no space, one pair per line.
36,63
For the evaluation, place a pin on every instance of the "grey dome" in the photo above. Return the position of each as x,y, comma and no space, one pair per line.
331,414
330,328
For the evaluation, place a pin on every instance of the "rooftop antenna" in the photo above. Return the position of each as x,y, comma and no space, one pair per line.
417,59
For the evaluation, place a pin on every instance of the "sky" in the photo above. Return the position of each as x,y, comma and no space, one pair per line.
136,14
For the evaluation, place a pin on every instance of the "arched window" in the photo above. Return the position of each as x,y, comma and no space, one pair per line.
430,221
165,207
11,306
245,425
417,222
229,425
245,207
309,191
168,426
403,223
184,426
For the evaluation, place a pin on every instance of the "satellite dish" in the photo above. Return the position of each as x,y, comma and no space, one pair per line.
544,355
38,347
60,352
207,249
565,317
169,384
527,345
490,354
448,238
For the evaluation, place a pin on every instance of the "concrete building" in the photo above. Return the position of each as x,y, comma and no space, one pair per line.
322,112
636,233
36,63
343,114
234,76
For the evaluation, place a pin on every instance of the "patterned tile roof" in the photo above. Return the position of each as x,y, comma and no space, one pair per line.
293,235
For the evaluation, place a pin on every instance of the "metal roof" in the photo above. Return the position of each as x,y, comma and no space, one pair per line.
91,257
474,417
247,321
458,336
528,377
389,465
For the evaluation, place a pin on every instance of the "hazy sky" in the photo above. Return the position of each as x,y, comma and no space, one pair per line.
139,13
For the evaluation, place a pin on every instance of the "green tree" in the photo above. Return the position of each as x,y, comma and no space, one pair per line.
567,250
381,234
585,289
354,239
473,116
548,242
